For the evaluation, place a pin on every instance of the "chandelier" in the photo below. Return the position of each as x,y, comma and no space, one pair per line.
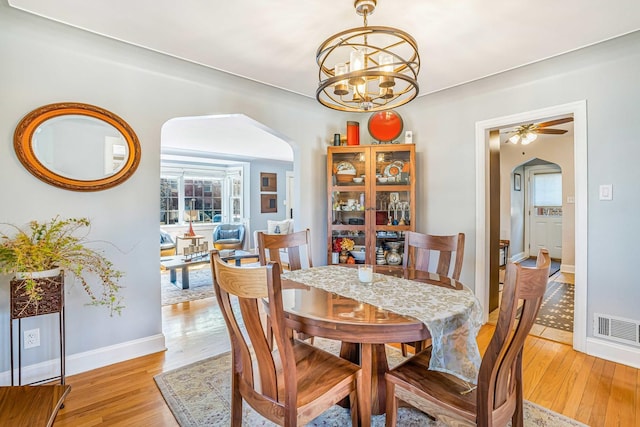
524,135
367,68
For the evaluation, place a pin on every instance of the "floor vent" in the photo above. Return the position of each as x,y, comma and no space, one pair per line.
616,328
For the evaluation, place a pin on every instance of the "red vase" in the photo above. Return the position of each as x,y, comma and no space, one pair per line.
353,133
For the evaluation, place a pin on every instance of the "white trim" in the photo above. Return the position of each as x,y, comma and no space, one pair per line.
579,111
89,360
618,353
567,268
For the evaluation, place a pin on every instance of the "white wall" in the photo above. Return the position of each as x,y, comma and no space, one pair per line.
45,62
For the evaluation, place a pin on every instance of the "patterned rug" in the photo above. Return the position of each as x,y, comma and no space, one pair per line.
200,286
199,396
556,310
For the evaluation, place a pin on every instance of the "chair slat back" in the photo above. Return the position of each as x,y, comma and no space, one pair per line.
501,370
250,285
296,245
419,247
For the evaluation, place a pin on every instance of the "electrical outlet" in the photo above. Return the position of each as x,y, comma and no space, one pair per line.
31,338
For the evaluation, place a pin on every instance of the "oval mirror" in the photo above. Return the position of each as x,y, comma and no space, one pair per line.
77,146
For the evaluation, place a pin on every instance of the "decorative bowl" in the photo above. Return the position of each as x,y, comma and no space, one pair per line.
358,180
358,255
382,179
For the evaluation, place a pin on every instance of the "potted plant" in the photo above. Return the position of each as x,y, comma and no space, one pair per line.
51,245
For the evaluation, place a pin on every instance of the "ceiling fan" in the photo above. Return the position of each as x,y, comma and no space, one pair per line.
528,133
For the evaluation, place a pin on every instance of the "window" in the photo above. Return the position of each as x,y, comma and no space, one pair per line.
169,200
191,195
203,199
547,189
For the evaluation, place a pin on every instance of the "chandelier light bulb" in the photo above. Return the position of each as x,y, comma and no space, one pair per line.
341,87
356,64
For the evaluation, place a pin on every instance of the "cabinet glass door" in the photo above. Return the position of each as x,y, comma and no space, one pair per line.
348,203
394,193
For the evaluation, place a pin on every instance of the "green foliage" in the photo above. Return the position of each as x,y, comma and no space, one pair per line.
55,244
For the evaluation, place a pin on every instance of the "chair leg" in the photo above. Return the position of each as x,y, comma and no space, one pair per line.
518,414
354,406
236,402
392,405
404,347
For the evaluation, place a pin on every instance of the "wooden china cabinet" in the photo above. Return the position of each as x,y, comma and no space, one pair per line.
371,193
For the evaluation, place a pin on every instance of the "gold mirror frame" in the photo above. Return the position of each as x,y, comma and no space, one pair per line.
23,145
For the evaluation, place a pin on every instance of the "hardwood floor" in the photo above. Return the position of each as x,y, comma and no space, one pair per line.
591,390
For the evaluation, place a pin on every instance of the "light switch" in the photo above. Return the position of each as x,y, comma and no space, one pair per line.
606,192
571,199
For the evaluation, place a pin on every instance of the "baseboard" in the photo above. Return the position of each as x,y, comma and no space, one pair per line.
613,352
518,257
567,268
89,360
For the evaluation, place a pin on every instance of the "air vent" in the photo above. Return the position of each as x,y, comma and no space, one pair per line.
616,328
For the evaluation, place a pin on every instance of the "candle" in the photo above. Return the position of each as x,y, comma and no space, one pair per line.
365,273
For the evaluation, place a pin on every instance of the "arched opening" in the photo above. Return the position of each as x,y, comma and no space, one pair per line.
212,169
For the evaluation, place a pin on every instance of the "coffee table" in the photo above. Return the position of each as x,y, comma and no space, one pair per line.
179,262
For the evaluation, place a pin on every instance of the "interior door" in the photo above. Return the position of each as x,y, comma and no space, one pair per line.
545,211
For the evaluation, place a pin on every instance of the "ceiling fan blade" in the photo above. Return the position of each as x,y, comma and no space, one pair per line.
551,131
554,122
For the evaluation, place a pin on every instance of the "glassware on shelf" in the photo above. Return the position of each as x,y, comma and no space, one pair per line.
393,256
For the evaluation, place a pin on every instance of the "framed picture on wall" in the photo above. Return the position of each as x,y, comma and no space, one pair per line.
517,182
268,203
268,181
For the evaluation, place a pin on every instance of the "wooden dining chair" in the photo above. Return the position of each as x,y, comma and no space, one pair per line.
295,382
419,250
296,245
498,396
289,251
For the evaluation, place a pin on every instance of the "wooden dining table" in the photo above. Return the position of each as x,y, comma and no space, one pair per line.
317,303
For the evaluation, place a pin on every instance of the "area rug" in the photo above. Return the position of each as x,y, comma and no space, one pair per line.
200,286
531,262
556,310
199,395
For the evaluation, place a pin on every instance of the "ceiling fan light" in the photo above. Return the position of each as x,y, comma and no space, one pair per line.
528,137
514,139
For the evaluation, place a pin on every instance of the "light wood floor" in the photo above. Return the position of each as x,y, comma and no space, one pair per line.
591,390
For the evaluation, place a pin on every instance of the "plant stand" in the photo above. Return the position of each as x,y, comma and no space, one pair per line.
52,302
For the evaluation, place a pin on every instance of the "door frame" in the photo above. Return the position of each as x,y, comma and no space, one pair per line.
579,111
529,172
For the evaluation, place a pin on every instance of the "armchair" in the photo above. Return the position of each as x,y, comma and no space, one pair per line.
228,236
167,244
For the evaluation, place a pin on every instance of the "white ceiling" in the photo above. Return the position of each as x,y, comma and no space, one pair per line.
275,41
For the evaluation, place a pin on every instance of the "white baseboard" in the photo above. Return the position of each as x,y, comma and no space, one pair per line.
93,359
518,257
613,352
567,268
